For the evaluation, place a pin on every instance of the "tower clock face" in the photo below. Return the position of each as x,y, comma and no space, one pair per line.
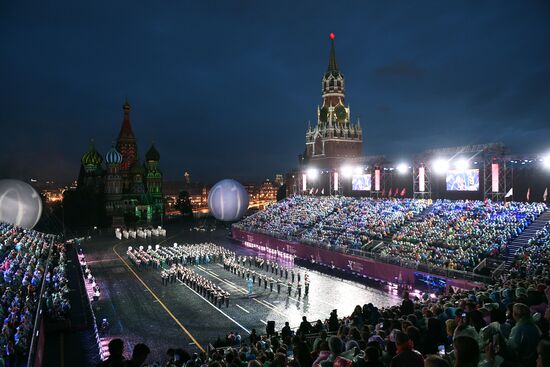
341,113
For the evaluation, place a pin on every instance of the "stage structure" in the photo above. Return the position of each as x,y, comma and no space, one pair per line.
473,171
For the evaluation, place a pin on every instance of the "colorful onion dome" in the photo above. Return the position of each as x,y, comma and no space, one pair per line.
152,154
113,156
91,159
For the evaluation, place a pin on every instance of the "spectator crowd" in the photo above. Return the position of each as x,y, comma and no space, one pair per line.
23,256
534,259
448,234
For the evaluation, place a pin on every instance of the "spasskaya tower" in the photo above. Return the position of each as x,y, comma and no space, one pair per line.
334,138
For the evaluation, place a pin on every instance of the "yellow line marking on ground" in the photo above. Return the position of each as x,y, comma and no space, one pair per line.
159,301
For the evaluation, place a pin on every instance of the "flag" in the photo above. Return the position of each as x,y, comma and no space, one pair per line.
486,201
403,192
528,193
545,195
509,193
389,193
383,192
323,191
311,191
396,192
316,191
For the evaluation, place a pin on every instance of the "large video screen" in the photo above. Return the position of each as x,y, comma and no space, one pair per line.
463,180
360,182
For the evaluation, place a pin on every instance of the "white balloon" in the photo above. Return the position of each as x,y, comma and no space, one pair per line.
20,204
228,200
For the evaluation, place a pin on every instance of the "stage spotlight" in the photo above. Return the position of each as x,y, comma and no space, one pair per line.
440,166
358,170
402,168
312,173
346,171
546,161
461,164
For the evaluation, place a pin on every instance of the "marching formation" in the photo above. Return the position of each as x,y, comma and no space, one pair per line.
238,265
175,264
160,257
200,284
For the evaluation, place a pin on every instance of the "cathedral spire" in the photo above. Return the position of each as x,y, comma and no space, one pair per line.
126,129
332,66
126,143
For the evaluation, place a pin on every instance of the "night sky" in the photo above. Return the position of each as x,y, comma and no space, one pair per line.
225,88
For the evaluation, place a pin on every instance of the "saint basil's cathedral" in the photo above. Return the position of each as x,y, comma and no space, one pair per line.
129,188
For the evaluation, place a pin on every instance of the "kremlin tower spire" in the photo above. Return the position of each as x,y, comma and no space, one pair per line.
332,66
334,138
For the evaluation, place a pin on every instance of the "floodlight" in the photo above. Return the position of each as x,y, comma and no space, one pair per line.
402,168
461,164
346,171
358,170
440,166
312,173
546,161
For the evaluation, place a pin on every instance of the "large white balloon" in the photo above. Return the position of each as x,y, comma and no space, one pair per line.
228,200
20,204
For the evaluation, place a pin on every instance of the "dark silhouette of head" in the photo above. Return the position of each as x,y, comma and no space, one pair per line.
116,348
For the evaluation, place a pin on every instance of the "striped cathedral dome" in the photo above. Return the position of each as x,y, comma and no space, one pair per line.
113,156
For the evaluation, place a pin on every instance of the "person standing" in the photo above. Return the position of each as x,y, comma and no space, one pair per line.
289,288
250,286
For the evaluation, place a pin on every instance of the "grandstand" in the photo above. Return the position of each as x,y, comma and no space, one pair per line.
448,235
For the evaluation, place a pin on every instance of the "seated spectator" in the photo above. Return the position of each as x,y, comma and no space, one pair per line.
524,336
139,355
406,355
466,351
116,358
373,357
543,350
435,361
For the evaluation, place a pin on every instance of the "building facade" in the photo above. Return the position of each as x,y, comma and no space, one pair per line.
129,187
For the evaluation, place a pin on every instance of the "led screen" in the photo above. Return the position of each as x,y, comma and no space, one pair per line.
463,180
360,182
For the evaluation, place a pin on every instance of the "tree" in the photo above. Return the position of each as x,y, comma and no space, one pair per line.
183,204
